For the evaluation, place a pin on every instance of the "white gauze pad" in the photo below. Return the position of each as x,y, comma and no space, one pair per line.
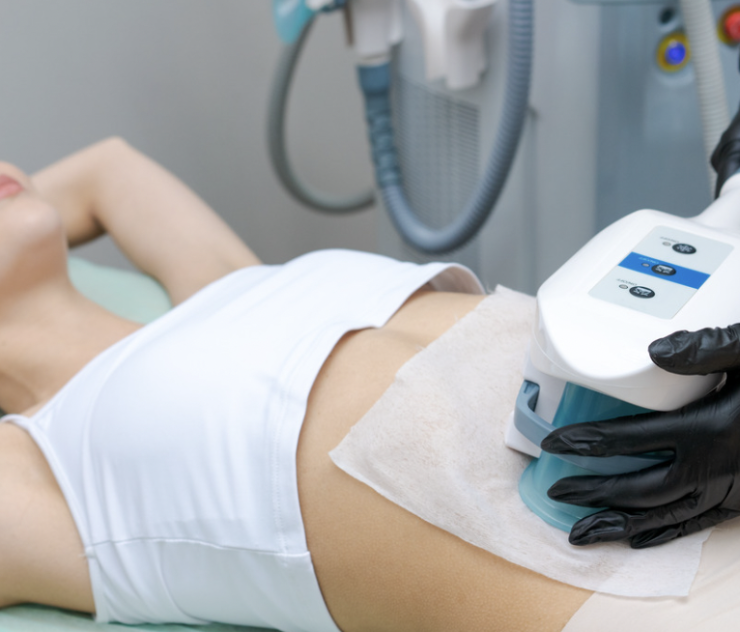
434,444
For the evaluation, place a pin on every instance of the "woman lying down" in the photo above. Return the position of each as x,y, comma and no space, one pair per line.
180,471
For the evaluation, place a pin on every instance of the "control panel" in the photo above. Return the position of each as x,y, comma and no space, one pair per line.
662,272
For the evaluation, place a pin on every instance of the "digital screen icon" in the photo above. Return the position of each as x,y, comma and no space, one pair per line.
684,249
663,269
641,292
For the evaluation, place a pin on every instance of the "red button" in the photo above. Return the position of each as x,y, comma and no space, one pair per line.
732,26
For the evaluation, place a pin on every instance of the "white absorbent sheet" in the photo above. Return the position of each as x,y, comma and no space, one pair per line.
434,444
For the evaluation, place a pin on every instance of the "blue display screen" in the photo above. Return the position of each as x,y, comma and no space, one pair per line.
664,270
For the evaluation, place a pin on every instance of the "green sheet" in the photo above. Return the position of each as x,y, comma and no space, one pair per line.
43,619
139,298
129,294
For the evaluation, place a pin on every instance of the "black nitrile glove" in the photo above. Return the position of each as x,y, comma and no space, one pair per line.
698,488
726,156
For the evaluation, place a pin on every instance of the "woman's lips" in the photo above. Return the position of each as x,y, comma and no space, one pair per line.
9,187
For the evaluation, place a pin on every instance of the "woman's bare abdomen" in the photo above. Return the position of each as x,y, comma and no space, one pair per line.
380,567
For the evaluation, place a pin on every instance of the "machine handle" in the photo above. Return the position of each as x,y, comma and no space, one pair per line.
535,428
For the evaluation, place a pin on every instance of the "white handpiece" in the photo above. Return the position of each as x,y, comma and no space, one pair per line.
642,278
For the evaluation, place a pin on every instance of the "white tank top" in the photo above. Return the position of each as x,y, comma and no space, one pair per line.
175,448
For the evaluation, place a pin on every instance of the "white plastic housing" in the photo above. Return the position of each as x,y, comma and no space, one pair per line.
317,5
454,45
377,26
601,344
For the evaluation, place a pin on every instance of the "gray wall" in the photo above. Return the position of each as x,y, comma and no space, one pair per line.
187,82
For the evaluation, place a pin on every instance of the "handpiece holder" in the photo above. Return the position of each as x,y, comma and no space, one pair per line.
292,16
453,32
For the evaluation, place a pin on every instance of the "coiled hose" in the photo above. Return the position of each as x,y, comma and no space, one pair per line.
277,143
376,81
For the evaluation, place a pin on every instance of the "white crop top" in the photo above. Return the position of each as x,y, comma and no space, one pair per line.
175,448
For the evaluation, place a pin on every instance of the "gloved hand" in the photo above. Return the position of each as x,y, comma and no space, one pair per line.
726,156
698,488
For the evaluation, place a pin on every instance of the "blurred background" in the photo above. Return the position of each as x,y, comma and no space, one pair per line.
187,82
612,122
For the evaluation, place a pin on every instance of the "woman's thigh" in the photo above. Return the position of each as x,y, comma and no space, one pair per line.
379,566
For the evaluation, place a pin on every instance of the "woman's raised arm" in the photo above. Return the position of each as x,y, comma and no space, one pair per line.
161,225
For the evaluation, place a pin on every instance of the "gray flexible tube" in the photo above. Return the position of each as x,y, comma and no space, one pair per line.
375,82
277,116
715,116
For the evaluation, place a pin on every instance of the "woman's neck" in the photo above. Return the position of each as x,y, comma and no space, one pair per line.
46,339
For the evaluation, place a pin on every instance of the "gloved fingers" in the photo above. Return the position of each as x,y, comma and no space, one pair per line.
612,524
711,350
726,156
635,490
649,432
729,167
653,537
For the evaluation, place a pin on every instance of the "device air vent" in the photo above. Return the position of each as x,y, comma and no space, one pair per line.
437,138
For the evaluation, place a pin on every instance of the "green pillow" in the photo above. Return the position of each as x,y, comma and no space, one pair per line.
131,295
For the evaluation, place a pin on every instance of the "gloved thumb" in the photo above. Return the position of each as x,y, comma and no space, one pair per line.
711,350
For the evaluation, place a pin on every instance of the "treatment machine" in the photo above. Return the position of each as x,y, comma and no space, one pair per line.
563,114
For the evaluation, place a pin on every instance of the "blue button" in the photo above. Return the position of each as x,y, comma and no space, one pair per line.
675,53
